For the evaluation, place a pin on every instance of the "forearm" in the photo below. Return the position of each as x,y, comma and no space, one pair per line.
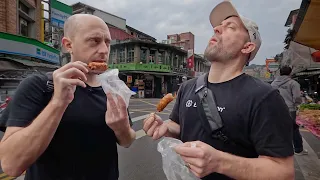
125,138
22,148
173,129
255,168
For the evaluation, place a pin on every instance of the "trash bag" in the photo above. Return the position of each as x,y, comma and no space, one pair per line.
173,165
112,84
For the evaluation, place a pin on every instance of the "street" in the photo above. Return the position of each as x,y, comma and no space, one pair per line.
142,161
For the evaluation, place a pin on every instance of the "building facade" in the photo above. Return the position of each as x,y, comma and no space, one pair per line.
183,40
21,17
21,50
149,68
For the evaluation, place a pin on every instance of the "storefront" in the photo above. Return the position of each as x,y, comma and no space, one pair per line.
21,57
149,80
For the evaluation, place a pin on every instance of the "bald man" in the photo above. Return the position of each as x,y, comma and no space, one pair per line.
71,133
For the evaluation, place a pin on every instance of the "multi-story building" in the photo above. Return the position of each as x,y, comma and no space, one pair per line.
147,67
21,49
183,40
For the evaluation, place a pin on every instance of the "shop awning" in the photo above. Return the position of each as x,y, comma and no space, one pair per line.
155,73
299,58
307,26
308,73
7,63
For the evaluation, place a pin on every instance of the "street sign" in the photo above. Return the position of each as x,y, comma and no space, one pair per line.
59,13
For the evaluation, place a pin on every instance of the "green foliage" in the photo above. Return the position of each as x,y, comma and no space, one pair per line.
310,106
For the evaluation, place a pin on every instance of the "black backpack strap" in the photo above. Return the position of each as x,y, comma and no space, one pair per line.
49,83
207,100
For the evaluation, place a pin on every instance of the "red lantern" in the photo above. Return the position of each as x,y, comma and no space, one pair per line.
316,56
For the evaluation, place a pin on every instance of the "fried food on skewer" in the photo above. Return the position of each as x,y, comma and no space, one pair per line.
164,102
98,66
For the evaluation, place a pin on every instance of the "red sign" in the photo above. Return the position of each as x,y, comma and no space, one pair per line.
272,65
190,59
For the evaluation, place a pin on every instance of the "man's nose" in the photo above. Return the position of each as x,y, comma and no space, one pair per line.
217,29
104,48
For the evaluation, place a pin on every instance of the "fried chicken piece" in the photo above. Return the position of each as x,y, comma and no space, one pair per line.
98,66
164,102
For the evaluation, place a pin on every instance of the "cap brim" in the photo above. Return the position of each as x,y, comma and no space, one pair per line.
221,12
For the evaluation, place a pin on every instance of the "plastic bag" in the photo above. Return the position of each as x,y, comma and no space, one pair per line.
173,165
112,84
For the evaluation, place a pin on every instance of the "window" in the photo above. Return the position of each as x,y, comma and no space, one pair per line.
26,19
152,59
23,8
112,57
169,59
23,24
161,57
130,55
122,55
175,61
143,55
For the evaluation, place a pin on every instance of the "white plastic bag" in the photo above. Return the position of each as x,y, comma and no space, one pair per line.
112,84
173,165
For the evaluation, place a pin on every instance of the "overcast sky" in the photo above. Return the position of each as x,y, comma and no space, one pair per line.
161,17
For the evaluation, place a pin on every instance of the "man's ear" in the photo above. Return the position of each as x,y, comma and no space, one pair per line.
67,44
248,48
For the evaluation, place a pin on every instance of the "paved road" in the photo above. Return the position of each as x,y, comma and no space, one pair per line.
142,161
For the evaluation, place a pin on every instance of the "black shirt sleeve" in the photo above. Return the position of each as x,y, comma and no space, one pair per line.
271,130
174,116
27,102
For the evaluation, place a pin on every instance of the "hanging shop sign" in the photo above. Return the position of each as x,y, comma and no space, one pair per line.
60,12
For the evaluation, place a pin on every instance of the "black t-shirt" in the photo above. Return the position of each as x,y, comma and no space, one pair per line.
83,147
255,116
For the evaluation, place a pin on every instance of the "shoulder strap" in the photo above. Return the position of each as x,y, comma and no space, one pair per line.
47,93
284,83
49,83
207,100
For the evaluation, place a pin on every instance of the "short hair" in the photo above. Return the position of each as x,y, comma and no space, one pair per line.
285,71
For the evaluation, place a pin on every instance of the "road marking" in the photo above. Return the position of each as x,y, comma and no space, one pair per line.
147,102
304,130
153,112
309,164
8,178
152,104
139,118
140,134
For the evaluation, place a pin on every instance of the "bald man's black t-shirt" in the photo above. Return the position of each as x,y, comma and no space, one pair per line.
83,147
255,116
